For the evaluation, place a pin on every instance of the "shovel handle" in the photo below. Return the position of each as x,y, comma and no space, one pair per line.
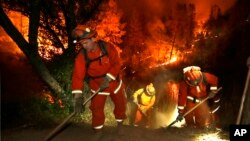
193,108
60,126
200,103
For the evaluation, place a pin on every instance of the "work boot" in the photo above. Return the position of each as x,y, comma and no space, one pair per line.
120,128
98,133
119,124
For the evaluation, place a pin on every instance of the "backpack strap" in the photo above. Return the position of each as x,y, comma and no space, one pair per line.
104,52
204,79
206,82
87,60
102,46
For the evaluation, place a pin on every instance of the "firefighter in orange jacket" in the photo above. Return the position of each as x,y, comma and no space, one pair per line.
144,98
196,86
102,70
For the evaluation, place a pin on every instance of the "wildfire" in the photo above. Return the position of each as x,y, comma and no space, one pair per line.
172,60
109,29
199,28
45,48
48,97
47,51
6,41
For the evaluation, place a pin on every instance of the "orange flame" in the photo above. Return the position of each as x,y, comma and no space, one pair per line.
48,97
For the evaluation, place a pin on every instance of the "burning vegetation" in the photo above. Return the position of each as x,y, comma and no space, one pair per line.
164,33
148,35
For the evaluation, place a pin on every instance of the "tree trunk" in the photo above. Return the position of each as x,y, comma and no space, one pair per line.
70,21
30,52
34,18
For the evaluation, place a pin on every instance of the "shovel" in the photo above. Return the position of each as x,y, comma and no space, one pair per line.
197,105
60,126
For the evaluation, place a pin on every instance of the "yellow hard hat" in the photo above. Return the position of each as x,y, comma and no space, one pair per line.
150,89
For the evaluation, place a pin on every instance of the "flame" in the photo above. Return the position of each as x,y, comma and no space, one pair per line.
22,24
109,29
48,97
199,28
172,60
153,29
47,51
147,23
17,19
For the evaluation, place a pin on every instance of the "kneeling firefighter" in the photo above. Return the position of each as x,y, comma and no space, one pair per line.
195,87
144,98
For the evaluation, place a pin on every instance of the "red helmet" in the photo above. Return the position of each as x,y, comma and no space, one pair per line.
192,75
82,32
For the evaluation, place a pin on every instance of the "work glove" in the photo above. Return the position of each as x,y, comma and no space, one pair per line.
180,117
78,100
143,109
105,83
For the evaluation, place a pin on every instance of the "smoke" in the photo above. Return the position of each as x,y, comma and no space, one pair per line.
154,13
203,8
164,29
158,8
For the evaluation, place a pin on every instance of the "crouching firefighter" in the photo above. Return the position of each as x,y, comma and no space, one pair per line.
144,98
195,87
99,62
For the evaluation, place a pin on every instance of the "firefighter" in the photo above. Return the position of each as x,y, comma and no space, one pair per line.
99,65
196,86
144,98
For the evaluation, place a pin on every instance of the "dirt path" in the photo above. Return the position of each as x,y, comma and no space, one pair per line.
126,133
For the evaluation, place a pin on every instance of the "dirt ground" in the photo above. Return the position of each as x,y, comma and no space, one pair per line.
77,132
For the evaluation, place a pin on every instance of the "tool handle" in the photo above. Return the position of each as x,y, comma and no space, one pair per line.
59,127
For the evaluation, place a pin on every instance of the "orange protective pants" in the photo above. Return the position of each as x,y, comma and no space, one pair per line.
98,103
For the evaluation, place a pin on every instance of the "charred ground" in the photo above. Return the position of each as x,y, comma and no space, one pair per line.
80,132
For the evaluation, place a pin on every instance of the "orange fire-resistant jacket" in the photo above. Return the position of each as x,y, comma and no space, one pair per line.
189,96
108,65
187,91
